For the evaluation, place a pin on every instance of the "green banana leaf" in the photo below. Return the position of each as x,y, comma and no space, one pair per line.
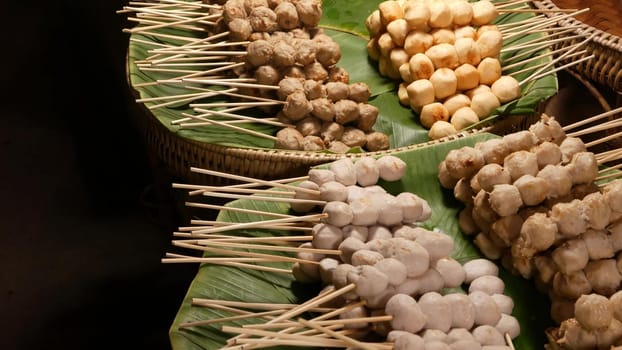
215,282
344,20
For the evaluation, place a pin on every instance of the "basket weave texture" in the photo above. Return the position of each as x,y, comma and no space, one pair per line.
179,154
604,21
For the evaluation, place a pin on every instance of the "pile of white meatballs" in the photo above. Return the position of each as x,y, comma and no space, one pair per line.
288,50
399,268
447,55
530,200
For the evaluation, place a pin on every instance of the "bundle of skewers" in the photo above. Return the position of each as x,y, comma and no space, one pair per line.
549,209
272,58
383,275
448,56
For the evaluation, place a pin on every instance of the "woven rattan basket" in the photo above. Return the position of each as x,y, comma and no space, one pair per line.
604,21
178,154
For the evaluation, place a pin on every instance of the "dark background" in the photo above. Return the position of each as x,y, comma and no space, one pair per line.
86,214
82,227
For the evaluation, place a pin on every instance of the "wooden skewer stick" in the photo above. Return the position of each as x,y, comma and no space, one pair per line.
614,156
243,130
611,168
551,21
600,127
544,64
275,258
324,316
237,210
189,60
508,340
563,56
555,70
147,42
162,25
222,79
323,297
254,305
609,176
314,302
519,56
168,36
547,23
253,180
237,104
187,232
592,119
252,184
348,340
247,97
208,259
533,10
207,46
207,123
535,58
186,64
164,13
232,84
344,321
230,318
530,20
264,198
200,52
526,25
604,139
257,343
169,81
276,248
172,97
227,263
550,32
239,226
243,117
202,119
198,3
175,13
216,305
606,176
608,156
270,337
181,100
500,5
272,239
233,189
538,42
195,41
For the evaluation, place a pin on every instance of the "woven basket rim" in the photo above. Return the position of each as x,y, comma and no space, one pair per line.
601,37
291,155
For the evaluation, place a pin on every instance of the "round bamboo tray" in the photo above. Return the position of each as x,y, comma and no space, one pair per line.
604,21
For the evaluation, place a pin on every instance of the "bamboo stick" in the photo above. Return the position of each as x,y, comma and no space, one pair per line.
237,210
275,258
239,226
277,248
253,180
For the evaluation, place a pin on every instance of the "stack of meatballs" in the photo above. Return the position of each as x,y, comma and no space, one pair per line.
288,50
530,201
447,55
399,268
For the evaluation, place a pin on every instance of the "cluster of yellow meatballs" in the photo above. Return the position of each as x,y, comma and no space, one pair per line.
447,55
